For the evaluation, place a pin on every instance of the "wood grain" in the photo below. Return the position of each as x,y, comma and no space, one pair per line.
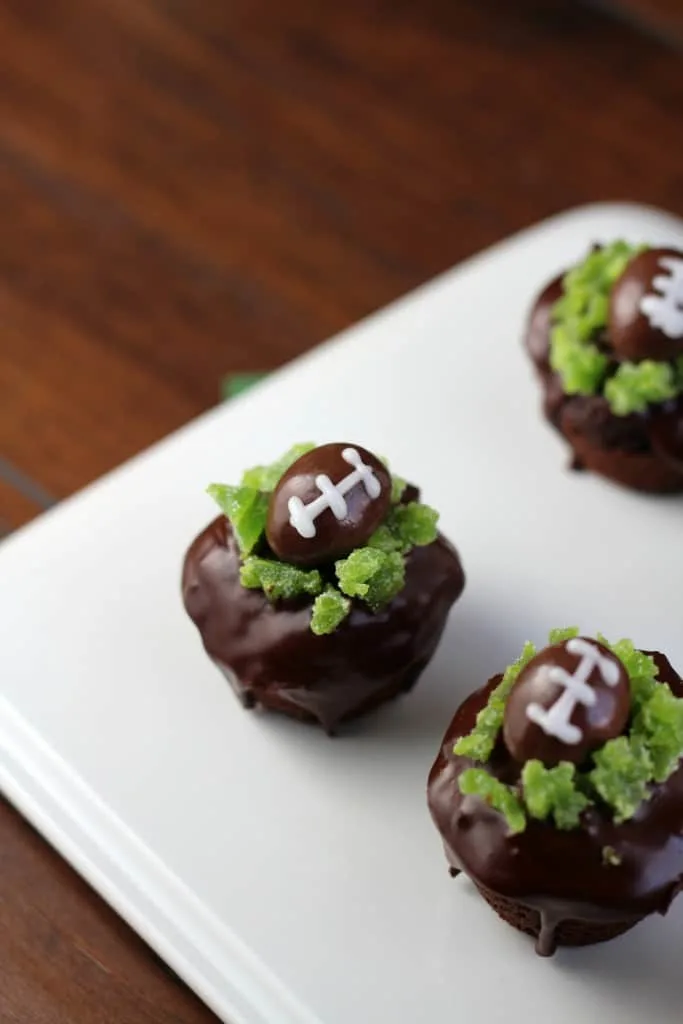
190,189
64,956
663,16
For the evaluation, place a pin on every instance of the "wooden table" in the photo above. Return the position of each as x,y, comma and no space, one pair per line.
191,189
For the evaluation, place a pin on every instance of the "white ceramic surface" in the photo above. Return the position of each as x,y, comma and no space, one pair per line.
288,877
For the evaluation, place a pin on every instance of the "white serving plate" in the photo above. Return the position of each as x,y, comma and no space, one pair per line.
287,877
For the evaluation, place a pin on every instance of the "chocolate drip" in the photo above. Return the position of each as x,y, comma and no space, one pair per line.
270,656
556,884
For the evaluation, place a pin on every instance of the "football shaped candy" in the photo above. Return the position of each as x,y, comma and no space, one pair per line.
646,307
329,502
570,699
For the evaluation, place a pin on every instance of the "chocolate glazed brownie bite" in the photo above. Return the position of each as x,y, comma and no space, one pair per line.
323,588
558,790
606,339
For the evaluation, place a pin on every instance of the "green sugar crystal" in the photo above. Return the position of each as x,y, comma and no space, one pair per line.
561,635
659,724
641,669
278,580
406,527
581,366
635,386
398,486
247,510
581,314
623,769
329,610
413,525
372,575
479,743
478,782
384,540
552,792
266,478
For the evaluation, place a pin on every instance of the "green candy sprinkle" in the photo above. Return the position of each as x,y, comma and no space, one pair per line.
329,610
635,386
561,635
266,478
398,485
278,580
372,575
479,743
552,792
581,366
477,782
641,669
413,525
659,725
247,510
623,769
383,539
581,314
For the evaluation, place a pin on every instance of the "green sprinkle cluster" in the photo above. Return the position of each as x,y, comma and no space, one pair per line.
246,506
478,782
373,574
635,386
552,792
479,743
580,317
622,772
278,580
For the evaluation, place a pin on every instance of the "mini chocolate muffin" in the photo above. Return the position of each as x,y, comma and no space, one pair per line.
323,589
558,790
606,339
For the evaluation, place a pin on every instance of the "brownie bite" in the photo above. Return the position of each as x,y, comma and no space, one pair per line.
323,589
558,789
606,339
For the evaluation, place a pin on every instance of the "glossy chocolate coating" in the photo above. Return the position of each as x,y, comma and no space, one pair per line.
334,537
632,334
665,431
270,656
537,338
561,875
604,720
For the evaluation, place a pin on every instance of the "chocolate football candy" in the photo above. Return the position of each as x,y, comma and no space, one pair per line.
570,699
646,307
330,501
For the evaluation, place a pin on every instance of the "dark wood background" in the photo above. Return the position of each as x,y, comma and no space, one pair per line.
192,189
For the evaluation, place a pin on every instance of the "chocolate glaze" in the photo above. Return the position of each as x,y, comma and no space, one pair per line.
560,875
622,448
665,431
271,657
